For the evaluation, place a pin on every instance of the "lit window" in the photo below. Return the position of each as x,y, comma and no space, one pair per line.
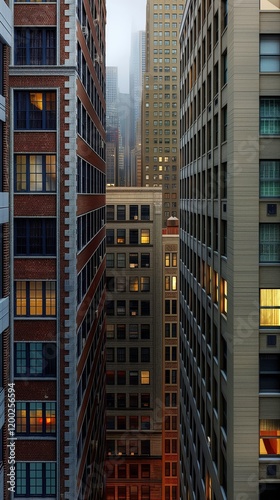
134,284
145,377
35,418
145,236
269,307
174,283
35,298
145,283
224,305
35,110
269,437
167,283
35,173
167,259
174,259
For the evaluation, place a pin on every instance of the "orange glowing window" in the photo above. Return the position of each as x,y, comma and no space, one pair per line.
269,437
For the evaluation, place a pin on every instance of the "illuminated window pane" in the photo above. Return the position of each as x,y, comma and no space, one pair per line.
145,377
50,418
269,437
21,417
36,417
269,307
134,284
174,283
174,259
167,259
36,298
167,283
21,298
145,236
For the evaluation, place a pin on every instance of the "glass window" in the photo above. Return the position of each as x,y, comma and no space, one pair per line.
270,373
269,53
145,283
145,212
145,236
134,284
121,260
133,260
269,178
145,260
270,437
35,173
121,236
269,242
110,212
35,479
110,236
35,418
133,236
110,260
35,110
35,46
145,377
270,116
269,307
35,298
120,212
35,359
35,236
133,212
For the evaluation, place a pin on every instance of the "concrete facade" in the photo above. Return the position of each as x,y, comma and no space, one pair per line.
230,250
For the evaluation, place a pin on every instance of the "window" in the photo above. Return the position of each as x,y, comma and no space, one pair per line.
269,242
133,260
35,298
145,422
121,283
35,359
35,46
145,260
121,397
120,236
145,377
270,116
145,470
145,332
145,307
110,236
35,173
270,437
35,418
110,260
35,236
145,212
224,296
145,236
269,178
133,212
121,260
121,354
35,479
269,307
133,378
270,372
121,377
269,53
145,400
134,284
145,447
145,283
133,307
110,212
133,236
121,308
35,110
120,212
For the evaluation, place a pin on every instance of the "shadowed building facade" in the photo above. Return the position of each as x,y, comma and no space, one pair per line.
230,250
57,79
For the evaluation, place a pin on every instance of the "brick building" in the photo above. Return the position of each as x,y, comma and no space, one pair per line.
57,79
5,42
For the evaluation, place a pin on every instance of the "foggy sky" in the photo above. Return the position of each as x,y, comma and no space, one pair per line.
123,18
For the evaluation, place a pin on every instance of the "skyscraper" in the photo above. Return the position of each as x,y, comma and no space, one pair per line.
5,43
57,79
134,344
160,104
230,250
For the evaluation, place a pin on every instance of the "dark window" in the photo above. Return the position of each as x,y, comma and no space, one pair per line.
270,373
145,332
145,447
133,236
121,236
110,236
35,236
35,110
110,212
35,46
133,260
120,212
145,260
35,359
145,354
133,212
145,307
35,173
145,212
35,479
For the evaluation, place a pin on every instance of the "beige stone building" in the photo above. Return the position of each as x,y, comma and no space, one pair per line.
160,102
230,250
